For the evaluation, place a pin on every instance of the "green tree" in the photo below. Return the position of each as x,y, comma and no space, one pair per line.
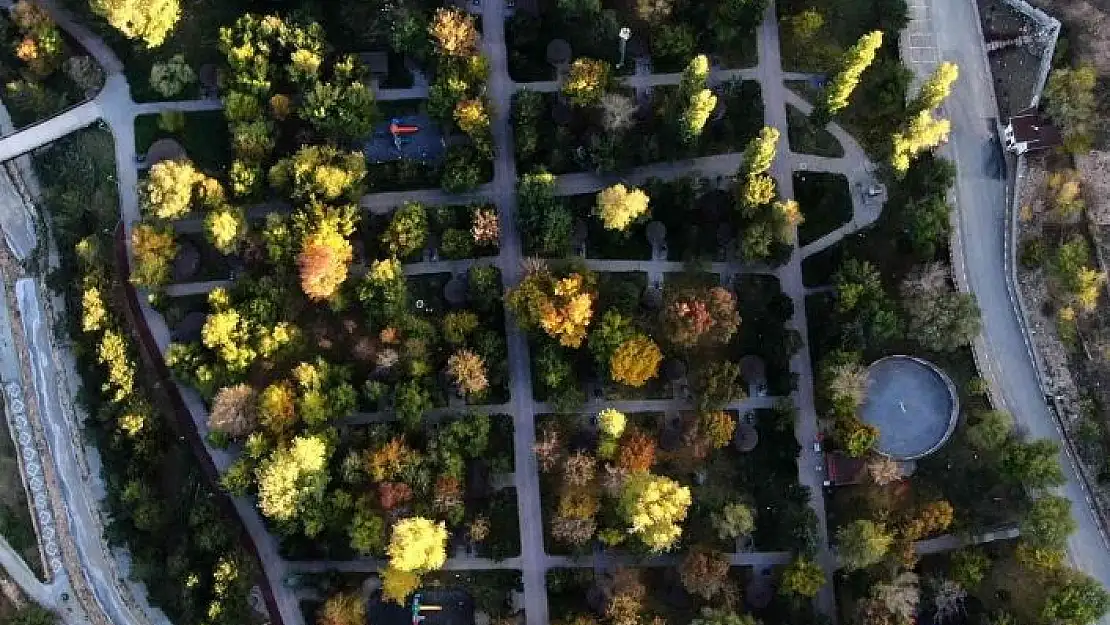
407,230
367,531
990,430
171,77
320,173
410,401
716,384
341,111
607,335
1048,523
940,318
225,227
1070,101
586,81
735,520
855,61
546,222
147,20
1035,464
711,616
862,543
1075,599
461,170
32,614
969,567
802,578
863,306
1071,271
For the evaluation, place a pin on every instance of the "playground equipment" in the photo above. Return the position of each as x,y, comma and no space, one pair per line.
417,617
397,128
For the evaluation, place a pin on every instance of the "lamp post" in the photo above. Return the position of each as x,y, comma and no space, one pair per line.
625,34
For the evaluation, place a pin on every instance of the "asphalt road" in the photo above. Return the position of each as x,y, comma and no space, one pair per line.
982,222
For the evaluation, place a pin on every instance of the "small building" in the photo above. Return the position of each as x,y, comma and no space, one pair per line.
1029,131
844,470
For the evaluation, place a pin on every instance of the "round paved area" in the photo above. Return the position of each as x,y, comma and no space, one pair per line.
913,404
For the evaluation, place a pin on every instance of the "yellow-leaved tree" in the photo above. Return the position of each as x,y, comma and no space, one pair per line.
148,20
635,361
325,255
283,478
418,545
167,192
561,307
618,206
654,506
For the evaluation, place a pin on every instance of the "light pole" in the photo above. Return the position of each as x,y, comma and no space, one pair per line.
625,34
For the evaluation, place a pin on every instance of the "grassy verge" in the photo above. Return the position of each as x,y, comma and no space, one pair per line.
205,138
16,525
826,202
805,138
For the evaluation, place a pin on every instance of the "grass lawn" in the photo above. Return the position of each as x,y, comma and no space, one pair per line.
826,203
805,138
205,139
742,120
844,21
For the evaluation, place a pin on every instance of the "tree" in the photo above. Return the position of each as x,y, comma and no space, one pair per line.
485,227
969,567
866,313
561,307
934,517
461,171
85,73
417,545
609,333
802,578
1075,599
856,437
882,470
1071,272
691,317
735,520
716,384
1048,523
611,423
711,616
545,221
862,543
618,206
345,608
167,192
41,46
225,227
407,231
154,249
366,531
760,152
410,401
468,371
855,61
1034,464
696,113
635,361
654,506
171,77
586,81
618,112
938,317
579,469
148,20
923,132
990,430
325,255
32,614
340,110
290,475
704,573
320,173
717,427
937,87
473,119
635,451
897,599
1064,194
1070,101
234,411
846,382
454,33
397,585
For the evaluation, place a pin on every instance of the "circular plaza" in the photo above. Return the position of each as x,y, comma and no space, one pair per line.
914,405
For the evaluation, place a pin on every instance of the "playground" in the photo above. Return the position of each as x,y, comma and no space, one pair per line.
440,606
409,137
913,404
